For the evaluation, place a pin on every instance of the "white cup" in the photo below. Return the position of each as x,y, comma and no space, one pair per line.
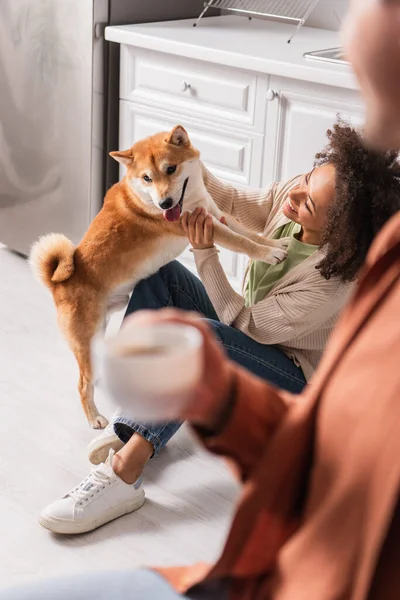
150,371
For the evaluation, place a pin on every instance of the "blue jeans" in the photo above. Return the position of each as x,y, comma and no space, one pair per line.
115,585
174,285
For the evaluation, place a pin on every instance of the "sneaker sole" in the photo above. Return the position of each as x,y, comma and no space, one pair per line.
70,527
98,450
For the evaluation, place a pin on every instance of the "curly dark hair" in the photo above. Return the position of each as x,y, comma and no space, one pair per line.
367,195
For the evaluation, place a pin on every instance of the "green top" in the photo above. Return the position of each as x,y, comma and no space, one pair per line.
263,277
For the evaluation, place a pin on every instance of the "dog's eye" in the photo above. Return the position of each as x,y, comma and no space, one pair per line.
147,179
171,170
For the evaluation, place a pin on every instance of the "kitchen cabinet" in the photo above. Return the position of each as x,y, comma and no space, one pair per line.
255,109
299,115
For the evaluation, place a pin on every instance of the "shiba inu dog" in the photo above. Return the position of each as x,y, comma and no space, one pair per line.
137,231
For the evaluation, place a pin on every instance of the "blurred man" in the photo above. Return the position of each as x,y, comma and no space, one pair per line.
372,39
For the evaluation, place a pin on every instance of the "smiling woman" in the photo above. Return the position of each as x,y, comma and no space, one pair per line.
306,207
308,203
340,206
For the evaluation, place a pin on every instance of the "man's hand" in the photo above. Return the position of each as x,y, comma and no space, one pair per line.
199,228
211,396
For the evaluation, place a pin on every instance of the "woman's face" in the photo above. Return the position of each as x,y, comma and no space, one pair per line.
308,203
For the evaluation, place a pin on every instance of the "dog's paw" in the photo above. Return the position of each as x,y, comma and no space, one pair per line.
98,422
275,256
283,243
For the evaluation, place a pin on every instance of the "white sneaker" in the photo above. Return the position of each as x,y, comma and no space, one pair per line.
100,446
98,499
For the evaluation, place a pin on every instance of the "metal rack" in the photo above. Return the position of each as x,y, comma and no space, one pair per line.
292,11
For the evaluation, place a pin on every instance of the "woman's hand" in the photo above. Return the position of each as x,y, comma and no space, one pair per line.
199,228
210,398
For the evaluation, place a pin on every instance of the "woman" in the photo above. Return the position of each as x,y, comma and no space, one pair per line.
279,329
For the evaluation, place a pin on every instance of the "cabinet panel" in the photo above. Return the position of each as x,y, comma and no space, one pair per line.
187,85
298,118
228,154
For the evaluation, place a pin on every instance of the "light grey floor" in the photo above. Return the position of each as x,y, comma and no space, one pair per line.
43,434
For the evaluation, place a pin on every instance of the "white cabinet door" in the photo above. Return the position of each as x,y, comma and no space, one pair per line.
298,117
233,156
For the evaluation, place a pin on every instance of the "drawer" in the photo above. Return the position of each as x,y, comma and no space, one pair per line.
231,155
186,85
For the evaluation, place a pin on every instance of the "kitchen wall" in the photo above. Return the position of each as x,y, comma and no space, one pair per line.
328,14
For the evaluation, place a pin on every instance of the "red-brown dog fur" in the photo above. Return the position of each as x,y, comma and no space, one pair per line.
129,240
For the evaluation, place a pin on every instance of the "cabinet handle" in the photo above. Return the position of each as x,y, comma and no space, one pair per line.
271,95
99,30
185,86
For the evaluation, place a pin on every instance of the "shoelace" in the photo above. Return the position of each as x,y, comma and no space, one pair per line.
99,477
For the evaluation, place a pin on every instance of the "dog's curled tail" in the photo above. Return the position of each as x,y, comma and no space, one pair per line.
52,258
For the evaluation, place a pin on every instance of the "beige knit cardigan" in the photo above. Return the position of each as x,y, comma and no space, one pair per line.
301,310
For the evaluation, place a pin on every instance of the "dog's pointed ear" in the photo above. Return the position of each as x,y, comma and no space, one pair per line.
124,157
178,137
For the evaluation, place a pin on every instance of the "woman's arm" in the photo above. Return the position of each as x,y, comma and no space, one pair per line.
279,318
251,207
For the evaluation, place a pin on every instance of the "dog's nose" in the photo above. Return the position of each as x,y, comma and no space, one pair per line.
166,204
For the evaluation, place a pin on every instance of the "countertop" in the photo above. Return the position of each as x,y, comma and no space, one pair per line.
255,45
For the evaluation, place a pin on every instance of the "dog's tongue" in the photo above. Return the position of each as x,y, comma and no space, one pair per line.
172,214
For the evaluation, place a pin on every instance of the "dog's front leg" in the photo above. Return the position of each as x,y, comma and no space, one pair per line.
238,243
235,226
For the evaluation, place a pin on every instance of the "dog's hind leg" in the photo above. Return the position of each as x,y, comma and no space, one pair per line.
79,327
86,386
